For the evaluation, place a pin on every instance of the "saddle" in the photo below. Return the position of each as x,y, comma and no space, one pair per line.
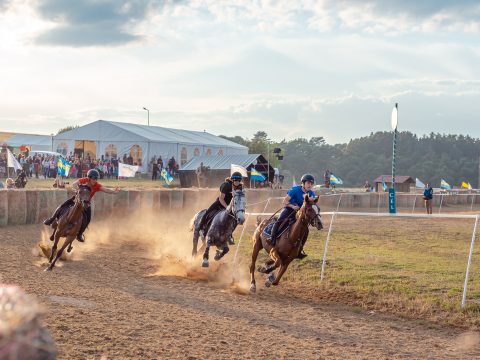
67,209
267,231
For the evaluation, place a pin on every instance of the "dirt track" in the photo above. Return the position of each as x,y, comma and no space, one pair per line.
112,301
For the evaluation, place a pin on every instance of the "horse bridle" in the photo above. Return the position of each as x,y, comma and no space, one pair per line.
311,221
230,212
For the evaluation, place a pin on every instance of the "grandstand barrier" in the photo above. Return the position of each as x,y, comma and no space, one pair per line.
31,206
3,208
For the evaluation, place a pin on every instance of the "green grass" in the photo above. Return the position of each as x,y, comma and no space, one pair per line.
412,267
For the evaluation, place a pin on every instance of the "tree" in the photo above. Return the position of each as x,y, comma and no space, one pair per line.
67,128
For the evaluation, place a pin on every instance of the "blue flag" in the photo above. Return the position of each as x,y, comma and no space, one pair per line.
63,166
384,185
165,175
335,180
445,185
255,175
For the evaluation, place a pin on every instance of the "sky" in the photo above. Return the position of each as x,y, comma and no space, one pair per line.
331,68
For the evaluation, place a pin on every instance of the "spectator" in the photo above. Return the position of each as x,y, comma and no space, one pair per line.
367,186
326,178
428,197
1,185
160,162
10,183
154,171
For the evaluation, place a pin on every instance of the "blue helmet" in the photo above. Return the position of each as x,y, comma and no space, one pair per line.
93,173
236,176
308,177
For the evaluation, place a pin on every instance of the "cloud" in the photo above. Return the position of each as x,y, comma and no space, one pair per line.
91,23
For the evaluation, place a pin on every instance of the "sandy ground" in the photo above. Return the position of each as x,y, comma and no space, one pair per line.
116,299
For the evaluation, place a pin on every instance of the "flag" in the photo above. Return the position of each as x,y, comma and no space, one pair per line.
165,175
445,185
238,168
255,175
335,180
384,185
466,185
125,170
419,184
12,162
63,166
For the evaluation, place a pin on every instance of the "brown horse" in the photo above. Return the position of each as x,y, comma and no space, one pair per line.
288,244
68,224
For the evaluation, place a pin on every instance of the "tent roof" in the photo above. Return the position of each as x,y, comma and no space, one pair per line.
399,179
118,131
222,162
28,139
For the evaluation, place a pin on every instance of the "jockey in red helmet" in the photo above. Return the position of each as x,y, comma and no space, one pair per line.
90,181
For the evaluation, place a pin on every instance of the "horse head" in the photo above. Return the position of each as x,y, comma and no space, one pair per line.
237,206
83,195
311,212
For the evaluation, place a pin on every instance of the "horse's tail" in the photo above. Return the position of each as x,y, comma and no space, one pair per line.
195,218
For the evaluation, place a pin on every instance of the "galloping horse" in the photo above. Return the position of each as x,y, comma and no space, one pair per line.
288,244
222,227
68,224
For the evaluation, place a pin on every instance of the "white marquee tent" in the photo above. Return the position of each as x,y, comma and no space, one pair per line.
141,142
32,142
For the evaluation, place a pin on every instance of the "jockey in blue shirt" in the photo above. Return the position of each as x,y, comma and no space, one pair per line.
293,202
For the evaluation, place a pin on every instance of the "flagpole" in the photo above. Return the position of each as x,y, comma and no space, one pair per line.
391,193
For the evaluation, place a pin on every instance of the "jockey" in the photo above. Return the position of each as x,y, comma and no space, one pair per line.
91,181
293,202
234,182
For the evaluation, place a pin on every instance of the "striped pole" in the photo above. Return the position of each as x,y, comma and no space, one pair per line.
391,194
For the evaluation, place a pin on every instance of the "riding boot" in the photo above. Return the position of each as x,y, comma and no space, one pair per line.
85,222
51,219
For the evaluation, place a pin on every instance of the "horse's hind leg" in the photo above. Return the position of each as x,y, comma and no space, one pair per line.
256,249
195,242
207,250
267,267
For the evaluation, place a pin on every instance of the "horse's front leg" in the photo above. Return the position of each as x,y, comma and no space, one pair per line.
207,250
256,249
222,253
54,247
67,242
282,270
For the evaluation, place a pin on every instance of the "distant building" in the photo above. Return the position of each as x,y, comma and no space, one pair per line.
402,183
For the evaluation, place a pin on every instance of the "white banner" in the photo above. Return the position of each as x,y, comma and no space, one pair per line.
419,184
125,170
238,168
12,162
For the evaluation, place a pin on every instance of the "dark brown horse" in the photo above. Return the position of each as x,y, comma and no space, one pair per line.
68,224
288,244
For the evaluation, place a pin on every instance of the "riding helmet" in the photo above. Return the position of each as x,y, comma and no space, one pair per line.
308,177
93,173
236,176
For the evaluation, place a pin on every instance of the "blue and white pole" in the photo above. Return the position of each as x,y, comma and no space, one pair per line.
392,203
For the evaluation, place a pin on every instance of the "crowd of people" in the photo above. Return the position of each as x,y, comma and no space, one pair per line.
45,165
